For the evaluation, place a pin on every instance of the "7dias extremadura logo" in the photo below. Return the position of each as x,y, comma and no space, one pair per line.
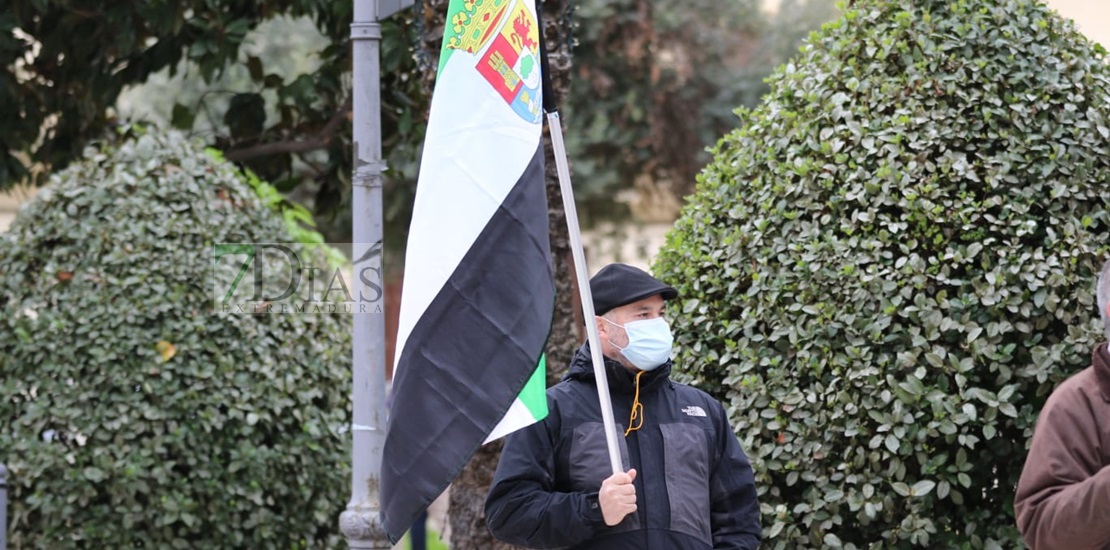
254,278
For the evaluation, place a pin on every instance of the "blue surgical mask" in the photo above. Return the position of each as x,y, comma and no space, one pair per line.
649,343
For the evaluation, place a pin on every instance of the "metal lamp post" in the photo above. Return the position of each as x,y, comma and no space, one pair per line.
3,507
359,522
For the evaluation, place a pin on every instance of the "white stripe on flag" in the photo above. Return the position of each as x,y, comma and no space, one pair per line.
516,418
457,161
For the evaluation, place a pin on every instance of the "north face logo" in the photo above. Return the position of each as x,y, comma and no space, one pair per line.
694,410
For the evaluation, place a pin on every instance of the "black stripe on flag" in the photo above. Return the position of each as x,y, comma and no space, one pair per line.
470,354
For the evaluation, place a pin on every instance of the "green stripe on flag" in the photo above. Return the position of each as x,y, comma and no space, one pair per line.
534,394
529,406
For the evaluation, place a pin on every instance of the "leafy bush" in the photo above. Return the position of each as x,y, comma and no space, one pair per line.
132,412
891,262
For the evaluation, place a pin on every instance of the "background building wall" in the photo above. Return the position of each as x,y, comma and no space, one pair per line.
1091,16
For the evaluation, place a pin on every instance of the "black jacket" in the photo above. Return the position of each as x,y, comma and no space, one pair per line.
694,485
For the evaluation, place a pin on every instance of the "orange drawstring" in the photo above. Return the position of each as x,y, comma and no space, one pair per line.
637,408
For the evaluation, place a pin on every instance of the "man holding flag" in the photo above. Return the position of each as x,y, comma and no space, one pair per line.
687,483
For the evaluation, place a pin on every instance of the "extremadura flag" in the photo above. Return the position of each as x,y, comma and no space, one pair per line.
478,289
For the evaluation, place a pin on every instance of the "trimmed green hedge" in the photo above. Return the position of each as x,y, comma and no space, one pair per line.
892,261
133,414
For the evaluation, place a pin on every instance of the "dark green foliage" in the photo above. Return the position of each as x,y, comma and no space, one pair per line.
133,414
63,65
655,83
892,261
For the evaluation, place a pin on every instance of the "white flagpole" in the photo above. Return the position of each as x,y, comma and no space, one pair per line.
554,125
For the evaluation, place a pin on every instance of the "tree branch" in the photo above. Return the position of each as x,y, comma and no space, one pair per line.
321,140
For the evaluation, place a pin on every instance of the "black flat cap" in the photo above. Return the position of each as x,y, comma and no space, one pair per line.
619,284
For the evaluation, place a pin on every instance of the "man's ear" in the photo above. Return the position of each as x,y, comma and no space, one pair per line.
602,327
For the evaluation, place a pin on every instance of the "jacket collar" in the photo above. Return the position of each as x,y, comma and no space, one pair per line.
621,381
1100,360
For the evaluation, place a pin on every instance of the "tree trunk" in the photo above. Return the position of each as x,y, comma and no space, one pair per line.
567,328
466,504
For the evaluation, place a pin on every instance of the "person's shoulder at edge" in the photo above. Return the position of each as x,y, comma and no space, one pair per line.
1083,383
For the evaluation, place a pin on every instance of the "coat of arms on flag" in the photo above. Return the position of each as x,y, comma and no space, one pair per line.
511,62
